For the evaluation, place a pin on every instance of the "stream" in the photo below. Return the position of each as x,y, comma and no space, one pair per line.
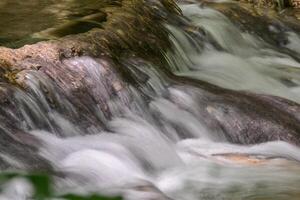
154,142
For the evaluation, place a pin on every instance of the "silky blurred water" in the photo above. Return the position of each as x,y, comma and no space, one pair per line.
245,62
154,144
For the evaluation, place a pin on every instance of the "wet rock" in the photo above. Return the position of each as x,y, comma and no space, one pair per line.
88,69
294,3
268,25
44,81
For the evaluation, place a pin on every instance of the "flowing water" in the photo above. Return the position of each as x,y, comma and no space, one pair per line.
153,143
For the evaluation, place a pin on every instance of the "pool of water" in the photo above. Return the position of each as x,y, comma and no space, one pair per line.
19,20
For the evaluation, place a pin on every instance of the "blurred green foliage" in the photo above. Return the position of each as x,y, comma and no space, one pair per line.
42,187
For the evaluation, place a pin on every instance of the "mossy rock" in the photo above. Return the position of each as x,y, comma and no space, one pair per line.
123,27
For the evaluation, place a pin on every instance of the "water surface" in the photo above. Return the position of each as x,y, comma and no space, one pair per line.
153,143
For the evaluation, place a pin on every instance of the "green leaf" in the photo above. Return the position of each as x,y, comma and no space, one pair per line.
41,183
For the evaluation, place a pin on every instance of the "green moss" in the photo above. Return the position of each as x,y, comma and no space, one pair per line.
11,76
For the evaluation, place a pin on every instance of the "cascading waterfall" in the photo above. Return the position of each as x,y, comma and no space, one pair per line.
152,142
244,62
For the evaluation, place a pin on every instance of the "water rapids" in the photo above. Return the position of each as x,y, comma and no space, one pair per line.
153,142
